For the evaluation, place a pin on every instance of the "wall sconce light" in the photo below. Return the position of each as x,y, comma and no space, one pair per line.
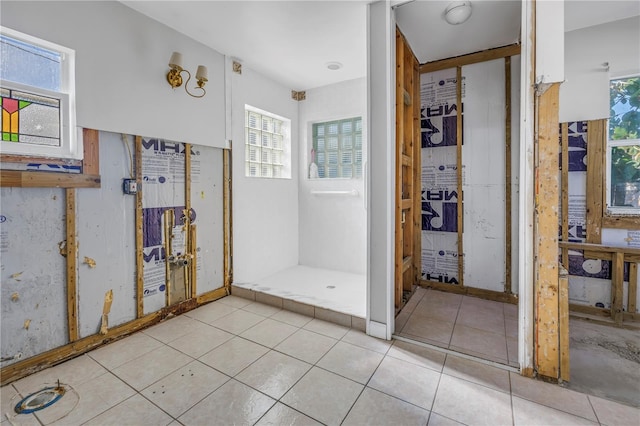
457,12
174,76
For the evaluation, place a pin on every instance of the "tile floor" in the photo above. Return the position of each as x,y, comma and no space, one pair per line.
235,361
474,326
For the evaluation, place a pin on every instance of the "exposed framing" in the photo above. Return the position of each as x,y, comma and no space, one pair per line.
139,236
472,58
460,197
72,265
508,177
227,217
564,207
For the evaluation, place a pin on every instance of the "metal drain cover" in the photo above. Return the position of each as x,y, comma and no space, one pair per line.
331,286
39,400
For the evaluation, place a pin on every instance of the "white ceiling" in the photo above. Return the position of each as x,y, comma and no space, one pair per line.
292,41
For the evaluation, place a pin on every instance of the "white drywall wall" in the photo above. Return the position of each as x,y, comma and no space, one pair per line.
265,211
585,93
121,66
549,41
332,227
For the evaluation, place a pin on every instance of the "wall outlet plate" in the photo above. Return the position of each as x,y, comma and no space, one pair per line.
129,186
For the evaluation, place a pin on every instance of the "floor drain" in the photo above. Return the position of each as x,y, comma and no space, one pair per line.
39,400
331,286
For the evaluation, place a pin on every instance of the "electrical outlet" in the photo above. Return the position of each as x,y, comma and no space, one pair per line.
129,186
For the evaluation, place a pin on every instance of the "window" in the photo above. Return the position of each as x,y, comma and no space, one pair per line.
267,144
337,148
37,95
623,146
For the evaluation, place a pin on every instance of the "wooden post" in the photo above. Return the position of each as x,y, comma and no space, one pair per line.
596,157
459,174
91,148
398,168
507,166
617,286
633,287
417,175
72,267
139,237
563,307
187,220
564,149
546,236
228,222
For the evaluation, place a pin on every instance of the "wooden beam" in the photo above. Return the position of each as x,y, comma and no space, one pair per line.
72,266
28,179
139,237
617,286
564,150
633,288
228,219
398,246
596,156
417,175
472,58
91,148
23,159
563,307
497,296
621,222
460,198
194,261
598,248
507,167
188,275
546,236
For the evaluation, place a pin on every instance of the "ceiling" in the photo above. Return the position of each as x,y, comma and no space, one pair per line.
293,41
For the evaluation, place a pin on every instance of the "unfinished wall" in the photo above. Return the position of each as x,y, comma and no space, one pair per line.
121,64
332,226
265,211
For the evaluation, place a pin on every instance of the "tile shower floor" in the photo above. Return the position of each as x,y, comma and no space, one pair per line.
477,327
236,361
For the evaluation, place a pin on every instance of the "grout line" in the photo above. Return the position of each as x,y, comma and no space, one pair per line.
435,394
513,414
594,409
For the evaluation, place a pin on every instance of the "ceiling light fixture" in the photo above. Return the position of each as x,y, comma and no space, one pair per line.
334,66
174,76
457,12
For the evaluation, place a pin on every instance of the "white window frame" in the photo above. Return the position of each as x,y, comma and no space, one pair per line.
617,210
354,149
285,152
70,142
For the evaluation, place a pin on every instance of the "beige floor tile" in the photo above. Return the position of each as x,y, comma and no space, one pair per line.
280,415
611,413
211,312
358,338
238,321
377,408
510,310
418,355
470,303
269,332
196,344
429,329
438,420
527,413
333,317
94,397
480,342
406,381
306,346
401,321
552,396
292,318
170,329
436,310
117,353
182,389
352,362
9,397
512,350
492,322
233,356
511,327
232,404
261,309
234,301
141,372
334,331
470,403
135,411
20,420
323,396
442,297
73,372
476,372
274,374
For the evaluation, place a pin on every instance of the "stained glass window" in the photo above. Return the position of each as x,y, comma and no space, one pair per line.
29,118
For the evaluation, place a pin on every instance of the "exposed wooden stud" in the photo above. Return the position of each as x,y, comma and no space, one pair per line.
564,149
472,58
139,237
633,288
91,148
24,159
72,266
546,244
187,219
417,174
596,155
213,295
228,223
398,252
563,302
406,263
617,286
194,261
460,197
28,179
497,296
624,222
630,252
507,167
